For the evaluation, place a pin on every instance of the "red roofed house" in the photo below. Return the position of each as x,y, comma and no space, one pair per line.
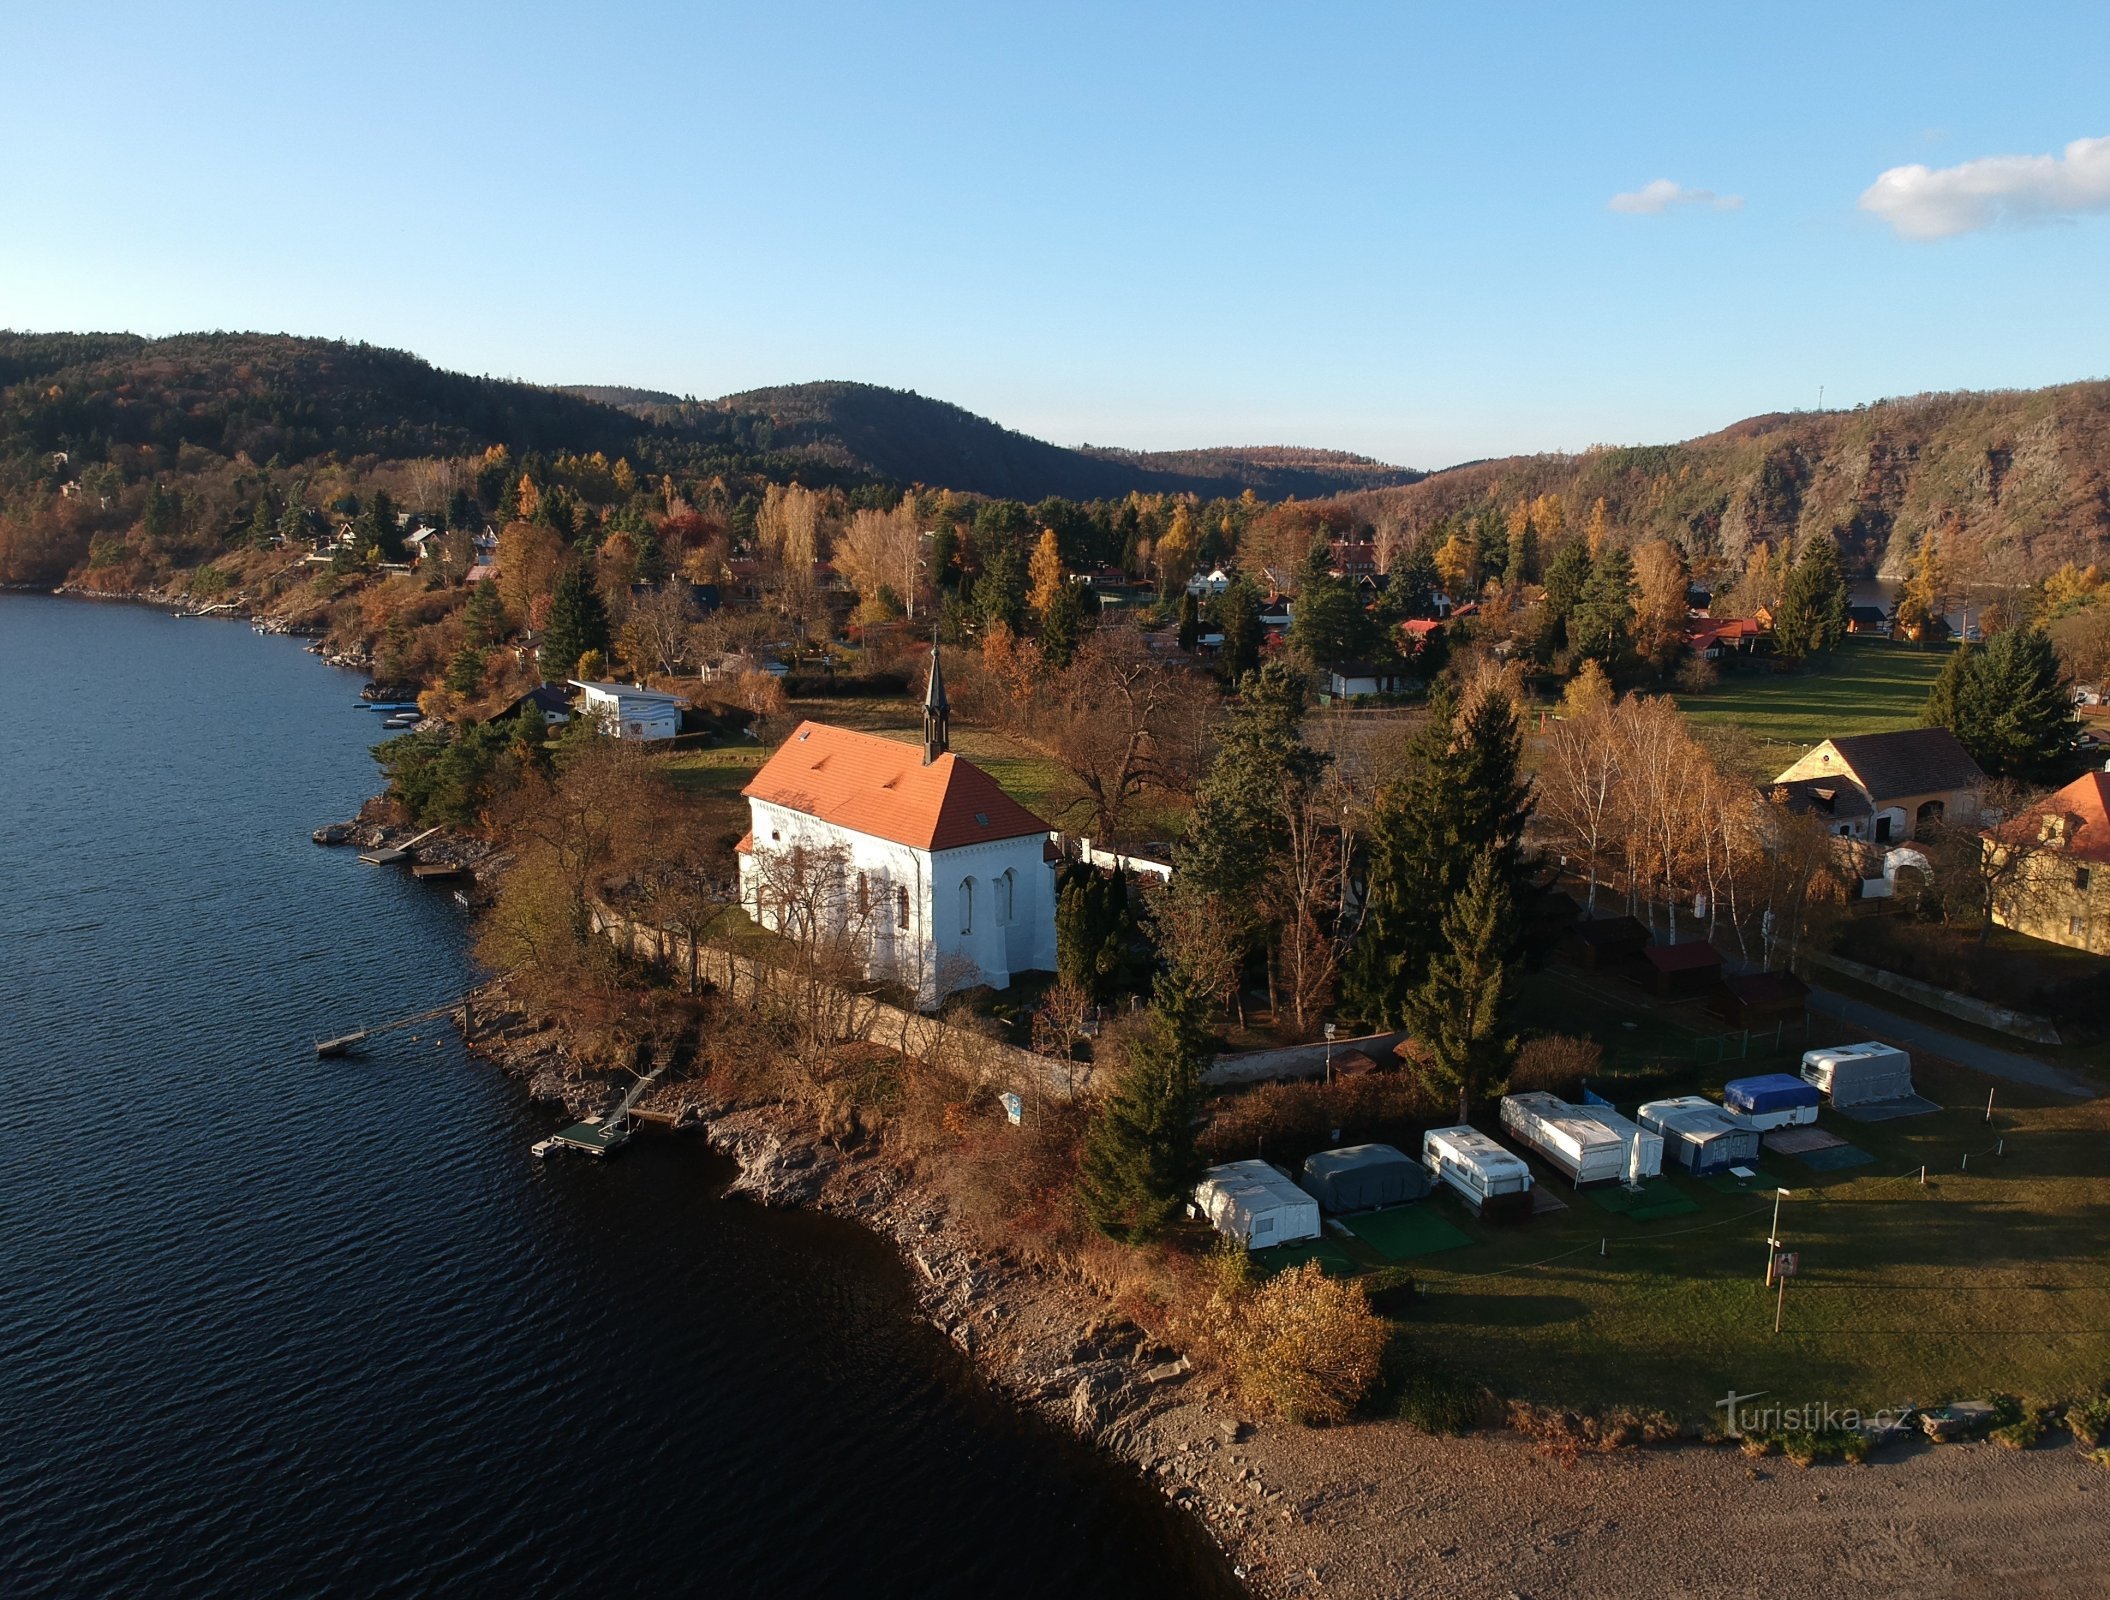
916,855
2060,886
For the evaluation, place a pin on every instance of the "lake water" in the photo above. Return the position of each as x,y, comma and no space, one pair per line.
274,1325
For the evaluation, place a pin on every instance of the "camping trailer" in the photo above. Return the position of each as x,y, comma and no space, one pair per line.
1771,1100
1362,1177
1253,1202
1584,1150
1643,1156
1855,1074
1699,1135
1489,1179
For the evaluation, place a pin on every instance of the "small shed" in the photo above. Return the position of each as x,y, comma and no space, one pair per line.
1490,1180
1699,1135
1254,1202
1754,1000
1771,1100
1681,971
1855,1074
1362,1177
1603,942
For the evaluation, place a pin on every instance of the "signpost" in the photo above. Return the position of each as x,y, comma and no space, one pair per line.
1785,1266
1329,1055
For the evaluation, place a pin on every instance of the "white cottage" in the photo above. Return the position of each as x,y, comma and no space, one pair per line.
628,710
919,856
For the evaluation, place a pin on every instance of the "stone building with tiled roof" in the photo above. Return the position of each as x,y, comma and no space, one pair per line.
933,875
2060,886
1885,787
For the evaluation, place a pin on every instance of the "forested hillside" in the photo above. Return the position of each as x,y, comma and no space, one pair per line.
908,438
2016,483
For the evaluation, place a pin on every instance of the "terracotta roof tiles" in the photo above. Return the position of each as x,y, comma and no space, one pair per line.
880,786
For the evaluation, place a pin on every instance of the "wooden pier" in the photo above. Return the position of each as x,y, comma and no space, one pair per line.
344,1044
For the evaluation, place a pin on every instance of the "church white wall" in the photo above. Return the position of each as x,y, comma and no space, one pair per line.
939,949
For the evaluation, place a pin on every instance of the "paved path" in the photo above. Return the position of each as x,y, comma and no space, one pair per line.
2009,1064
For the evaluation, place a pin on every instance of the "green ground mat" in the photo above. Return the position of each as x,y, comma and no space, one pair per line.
1404,1232
1656,1199
1839,1155
1332,1259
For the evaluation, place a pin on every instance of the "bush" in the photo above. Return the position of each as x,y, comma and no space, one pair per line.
2087,1417
2021,1434
1446,1403
1304,1346
1555,1062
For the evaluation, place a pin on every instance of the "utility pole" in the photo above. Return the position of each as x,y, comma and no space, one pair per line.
1773,1238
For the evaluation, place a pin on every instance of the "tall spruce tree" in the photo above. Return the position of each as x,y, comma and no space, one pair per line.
1461,799
1601,623
1946,702
1237,616
2015,712
1237,828
1139,1160
1190,621
1062,626
578,622
1566,575
1327,622
1811,617
1459,1011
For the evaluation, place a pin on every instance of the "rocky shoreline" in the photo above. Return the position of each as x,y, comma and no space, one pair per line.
1378,1509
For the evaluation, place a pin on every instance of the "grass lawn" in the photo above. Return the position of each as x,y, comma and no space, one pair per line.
1868,686
1993,1278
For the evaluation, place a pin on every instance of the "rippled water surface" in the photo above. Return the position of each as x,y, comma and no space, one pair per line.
274,1325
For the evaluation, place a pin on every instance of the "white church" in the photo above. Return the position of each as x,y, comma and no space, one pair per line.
921,856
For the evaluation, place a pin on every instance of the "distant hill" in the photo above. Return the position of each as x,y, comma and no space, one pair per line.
2015,481
904,437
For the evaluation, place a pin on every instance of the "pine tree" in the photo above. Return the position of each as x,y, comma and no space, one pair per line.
1811,618
1458,1012
1947,700
1094,929
1190,621
465,673
1566,578
2015,713
1237,829
1139,1160
578,623
1327,623
1460,801
1236,613
1062,627
262,525
1000,587
1601,625
484,617
293,522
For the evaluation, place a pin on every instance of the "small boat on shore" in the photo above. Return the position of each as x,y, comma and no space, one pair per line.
406,719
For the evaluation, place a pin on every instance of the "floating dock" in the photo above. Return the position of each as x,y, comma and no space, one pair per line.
436,869
383,858
340,1046
594,1138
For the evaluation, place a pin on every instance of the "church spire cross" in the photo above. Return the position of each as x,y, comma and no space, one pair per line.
937,713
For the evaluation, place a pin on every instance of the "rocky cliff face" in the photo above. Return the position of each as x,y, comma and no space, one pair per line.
2015,483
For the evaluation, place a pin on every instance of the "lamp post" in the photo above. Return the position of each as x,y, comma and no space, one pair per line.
1773,1235
1329,1055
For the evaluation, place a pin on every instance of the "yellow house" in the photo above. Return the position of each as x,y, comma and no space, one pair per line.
1884,787
2059,889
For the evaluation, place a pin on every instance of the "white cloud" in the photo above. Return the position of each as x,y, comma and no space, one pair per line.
1921,202
1653,199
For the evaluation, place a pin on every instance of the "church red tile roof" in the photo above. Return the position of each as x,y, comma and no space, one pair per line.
880,786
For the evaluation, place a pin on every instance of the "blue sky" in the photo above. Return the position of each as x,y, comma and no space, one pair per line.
1390,229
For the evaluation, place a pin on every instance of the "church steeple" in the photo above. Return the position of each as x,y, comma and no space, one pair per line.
937,712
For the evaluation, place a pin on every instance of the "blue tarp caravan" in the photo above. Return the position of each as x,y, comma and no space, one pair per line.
1771,1100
